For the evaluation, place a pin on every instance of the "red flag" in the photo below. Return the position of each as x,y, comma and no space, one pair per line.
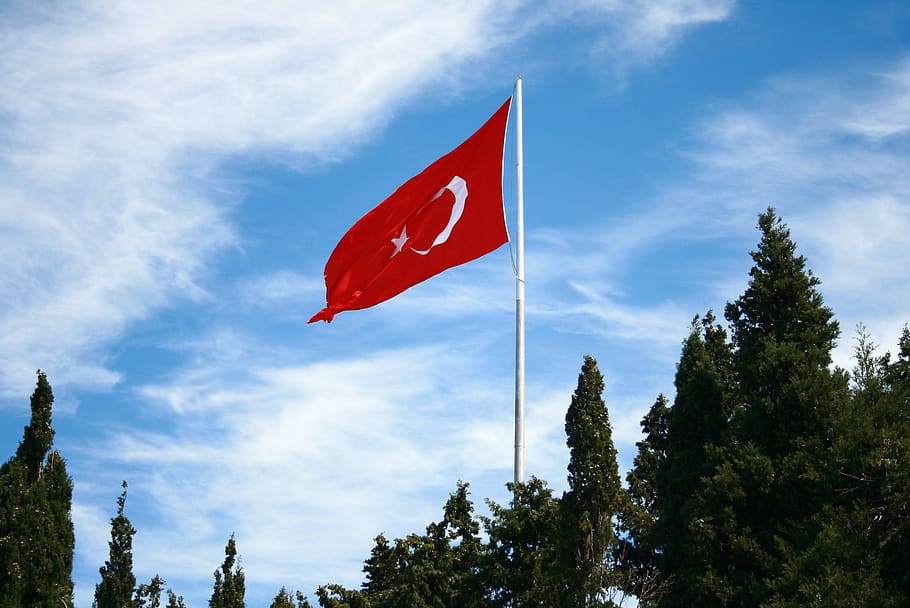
449,214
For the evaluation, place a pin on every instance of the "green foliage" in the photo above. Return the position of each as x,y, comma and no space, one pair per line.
284,599
39,434
336,596
230,585
118,583
149,596
697,425
638,551
36,530
520,561
595,494
174,600
439,568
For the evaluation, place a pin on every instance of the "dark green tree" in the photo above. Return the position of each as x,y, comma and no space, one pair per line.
520,563
149,596
336,596
697,424
38,436
36,530
595,494
230,585
174,600
439,568
859,556
639,548
118,583
780,458
284,599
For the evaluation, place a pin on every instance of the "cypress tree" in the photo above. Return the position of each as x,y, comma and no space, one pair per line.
118,583
230,586
36,530
594,496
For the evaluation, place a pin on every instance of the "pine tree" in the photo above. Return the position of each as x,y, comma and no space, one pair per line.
780,462
439,568
36,530
174,600
149,596
594,496
230,586
519,564
284,599
118,583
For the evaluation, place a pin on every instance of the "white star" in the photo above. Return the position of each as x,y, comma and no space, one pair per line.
400,241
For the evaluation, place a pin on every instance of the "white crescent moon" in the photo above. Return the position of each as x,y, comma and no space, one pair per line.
459,188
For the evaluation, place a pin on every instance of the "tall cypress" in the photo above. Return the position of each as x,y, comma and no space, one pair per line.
118,583
36,530
230,585
595,494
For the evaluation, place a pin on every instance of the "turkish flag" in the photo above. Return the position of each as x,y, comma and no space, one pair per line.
448,214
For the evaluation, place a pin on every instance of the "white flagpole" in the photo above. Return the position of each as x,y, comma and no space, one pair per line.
519,296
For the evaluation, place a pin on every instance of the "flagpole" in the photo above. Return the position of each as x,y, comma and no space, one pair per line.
519,295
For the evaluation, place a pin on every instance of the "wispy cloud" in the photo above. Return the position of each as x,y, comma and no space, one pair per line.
117,120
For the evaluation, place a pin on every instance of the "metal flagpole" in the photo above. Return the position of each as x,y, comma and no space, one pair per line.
519,296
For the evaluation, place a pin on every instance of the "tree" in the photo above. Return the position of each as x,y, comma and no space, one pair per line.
174,600
595,493
36,529
118,583
38,436
285,600
520,559
696,425
638,551
149,596
779,461
439,568
230,587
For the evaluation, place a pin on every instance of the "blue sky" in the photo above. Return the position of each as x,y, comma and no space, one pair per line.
172,183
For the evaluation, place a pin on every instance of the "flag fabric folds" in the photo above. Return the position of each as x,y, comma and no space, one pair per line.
447,215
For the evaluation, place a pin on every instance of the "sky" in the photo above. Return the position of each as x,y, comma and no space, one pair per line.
173,179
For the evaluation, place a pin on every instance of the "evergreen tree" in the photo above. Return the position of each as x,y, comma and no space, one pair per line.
440,568
36,530
230,586
284,599
595,493
779,463
118,583
336,596
639,549
696,425
520,559
39,434
174,600
149,596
